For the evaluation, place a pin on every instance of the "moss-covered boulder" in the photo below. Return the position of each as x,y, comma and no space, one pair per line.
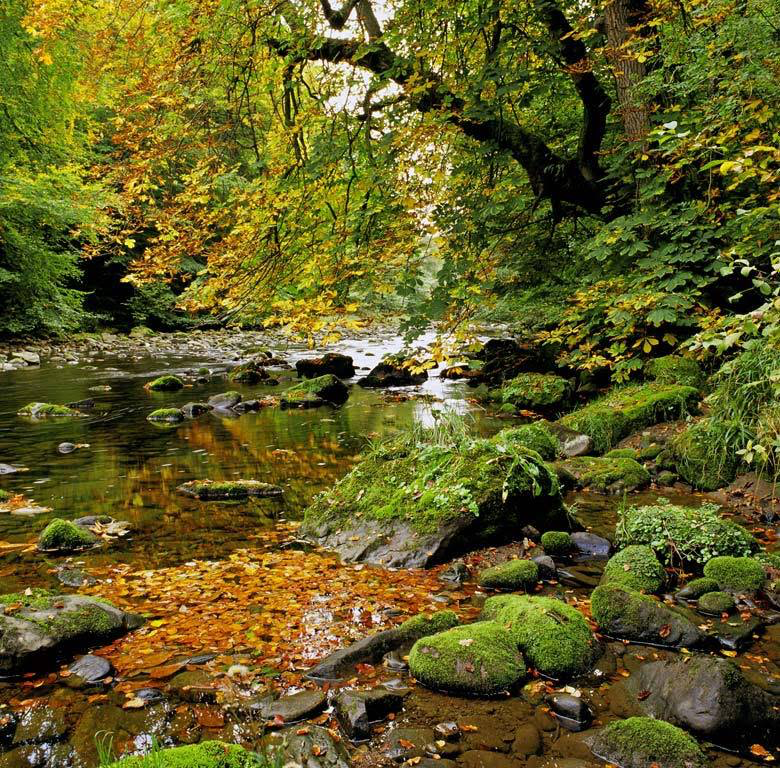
248,373
166,383
480,658
46,411
699,457
682,534
622,453
635,567
166,416
607,475
425,624
207,754
537,437
228,490
675,369
557,543
736,574
542,392
315,392
38,628
554,637
716,603
630,615
696,588
410,505
629,409
642,742
511,575
64,536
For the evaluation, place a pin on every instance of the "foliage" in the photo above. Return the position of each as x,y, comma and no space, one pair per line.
537,437
535,391
207,754
635,567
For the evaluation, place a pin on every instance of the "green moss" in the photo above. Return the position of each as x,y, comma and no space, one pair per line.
604,474
770,559
64,535
554,637
216,490
703,454
622,453
514,574
556,542
425,624
248,373
716,602
675,369
650,452
479,658
537,437
169,415
89,620
698,587
207,754
43,410
165,384
629,409
328,387
682,534
635,567
428,484
736,574
536,391
4,495
639,742
38,600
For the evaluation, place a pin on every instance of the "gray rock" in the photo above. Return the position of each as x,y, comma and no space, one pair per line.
224,401
368,650
591,545
90,668
193,410
548,571
8,469
31,358
356,710
573,712
571,442
66,448
296,706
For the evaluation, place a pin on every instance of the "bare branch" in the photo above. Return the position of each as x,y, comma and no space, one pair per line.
337,18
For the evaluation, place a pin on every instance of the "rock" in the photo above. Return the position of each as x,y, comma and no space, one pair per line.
536,436
708,696
331,362
90,668
74,577
46,626
412,507
208,754
40,724
8,469
447,731
164,384
31,358
248,373
740,575
225,400
635,567
314,392
82,405
406,743
66,448
316,748
356,710
194,685
193,410
296,706
455,573
46,410
554,637
548,571
573,712
571,443
591,545
64,536
528,741
222,490
615,475
392,372
166,415
716,603
734,633
557,543
696,588
629,615
641,742
480,658
511,575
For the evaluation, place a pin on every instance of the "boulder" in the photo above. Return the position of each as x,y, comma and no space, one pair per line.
248,373
46,410
334,363
635,567
571,443
608,475
224,401
228,490
557,543
193,410
90,668
37,628
356,710
295,706
166,416
590,545
511,575
541,392
572,712
164,384
315,392
741,575
393,372
64,536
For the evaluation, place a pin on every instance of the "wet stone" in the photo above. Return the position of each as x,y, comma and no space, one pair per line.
455,573
395,660
573,712
194,685
37,756
74,577
547,568
480,758
296,706
91,668
448,731
406,743
316,748
528,741
733,634
356,710
40,724
591,545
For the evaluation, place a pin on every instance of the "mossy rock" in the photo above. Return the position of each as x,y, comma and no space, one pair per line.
537,437
513,574
480,658
635,567
697,458
557,543
4,495
425,624
207,754
687,534
716,603
317,391
622,453
736,574
64,536
698,587
630,615
166,383
229,490
630,409
37,599
554,637
607,475
166,415
248,373
642,742
46,410
675,369
542,392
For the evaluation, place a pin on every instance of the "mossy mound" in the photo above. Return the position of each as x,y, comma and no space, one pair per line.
675,369
622,453
166,415
736,574
425,624
557,542
698,587
310,392
164,384
629,409
630,615
226,490
608,475
716,602
536,392
554,637
64,536
46,410
537,437
207,754
699,457
480,658
642,742
687,534
635,567
514,574
248,373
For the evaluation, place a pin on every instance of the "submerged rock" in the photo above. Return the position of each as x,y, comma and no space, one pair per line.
65,536
356,710
46,410
331,362
166,415
222,490
37,628
225,400
90,669
315,392
313,747
248,373
393,372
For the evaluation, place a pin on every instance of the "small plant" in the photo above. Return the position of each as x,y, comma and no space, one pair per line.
104,745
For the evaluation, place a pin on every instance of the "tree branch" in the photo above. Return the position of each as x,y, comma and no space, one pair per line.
337,18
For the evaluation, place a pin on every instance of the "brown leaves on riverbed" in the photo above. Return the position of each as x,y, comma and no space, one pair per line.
269,607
